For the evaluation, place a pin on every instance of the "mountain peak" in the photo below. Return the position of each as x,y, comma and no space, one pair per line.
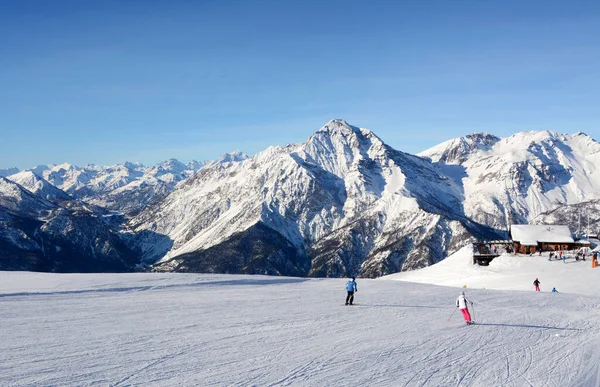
40,169
64,166
336,125
233,156
17,198
28,174
38,185
172,164
130,165
457,150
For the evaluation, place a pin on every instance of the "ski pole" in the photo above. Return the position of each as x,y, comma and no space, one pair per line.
473,307
452,313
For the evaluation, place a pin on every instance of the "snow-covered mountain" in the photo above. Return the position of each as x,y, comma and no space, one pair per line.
126,187
342,203
39,186
155,184
231,157
515,179
36,233
582,218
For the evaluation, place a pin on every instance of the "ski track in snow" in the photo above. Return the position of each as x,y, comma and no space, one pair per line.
213,330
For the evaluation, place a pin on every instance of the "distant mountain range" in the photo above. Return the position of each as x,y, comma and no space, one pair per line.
342,203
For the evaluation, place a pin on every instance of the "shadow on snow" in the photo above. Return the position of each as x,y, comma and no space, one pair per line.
402,306
242,282
527,326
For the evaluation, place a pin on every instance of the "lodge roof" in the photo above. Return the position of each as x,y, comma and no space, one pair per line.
532,234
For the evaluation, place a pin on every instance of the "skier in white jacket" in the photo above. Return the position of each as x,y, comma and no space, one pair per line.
461,303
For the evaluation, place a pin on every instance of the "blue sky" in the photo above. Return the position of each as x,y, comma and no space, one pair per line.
108,81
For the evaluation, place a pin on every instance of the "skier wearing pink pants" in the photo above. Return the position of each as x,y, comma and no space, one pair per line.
461,303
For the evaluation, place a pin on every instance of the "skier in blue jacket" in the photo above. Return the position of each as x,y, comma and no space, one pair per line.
351,288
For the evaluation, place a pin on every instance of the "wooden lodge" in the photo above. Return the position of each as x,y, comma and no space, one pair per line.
531,238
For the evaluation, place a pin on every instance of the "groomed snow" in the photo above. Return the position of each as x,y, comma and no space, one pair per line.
209,330
509,272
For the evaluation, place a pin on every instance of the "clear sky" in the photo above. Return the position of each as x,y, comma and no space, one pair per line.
109,81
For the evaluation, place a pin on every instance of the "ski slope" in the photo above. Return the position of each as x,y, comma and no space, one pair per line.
215,330
509,272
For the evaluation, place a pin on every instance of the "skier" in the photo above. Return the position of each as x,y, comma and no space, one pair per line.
536,283
554,290
461,303
351,288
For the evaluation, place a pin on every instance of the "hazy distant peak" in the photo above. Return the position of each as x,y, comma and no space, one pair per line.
8,171
130,165
232,157
64,166
40,169
195,165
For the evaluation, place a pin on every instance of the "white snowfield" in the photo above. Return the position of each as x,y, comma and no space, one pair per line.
224,330
510,272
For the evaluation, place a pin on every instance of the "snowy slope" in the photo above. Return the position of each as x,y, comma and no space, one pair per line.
16,199
509,272
214,330
134,196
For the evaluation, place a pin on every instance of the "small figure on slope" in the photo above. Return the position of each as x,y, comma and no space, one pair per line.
537,283
351,288
461,303
554,290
